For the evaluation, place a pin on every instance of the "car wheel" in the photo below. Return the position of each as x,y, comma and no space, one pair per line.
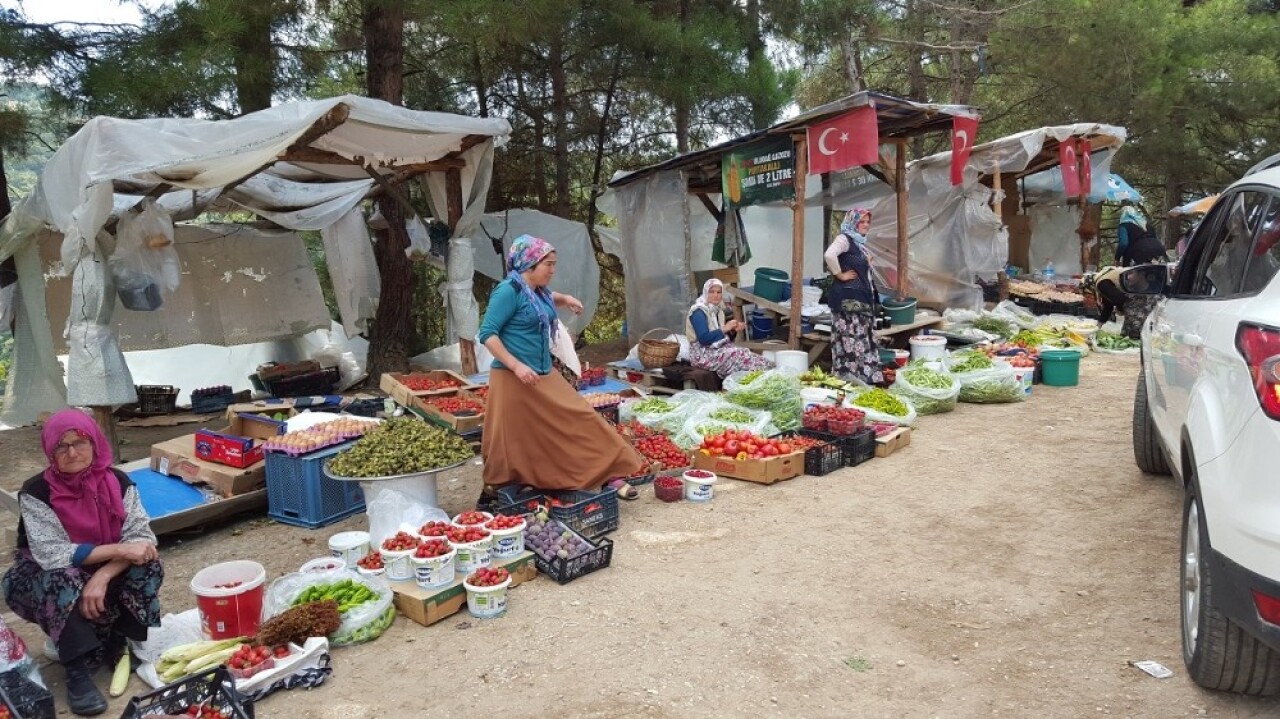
1218,653
1146,443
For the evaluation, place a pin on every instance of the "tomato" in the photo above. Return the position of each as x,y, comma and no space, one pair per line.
784,448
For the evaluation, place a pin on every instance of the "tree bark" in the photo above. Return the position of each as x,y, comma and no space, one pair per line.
682,109
560,125
607,262
392,326
915,65
852,62
761,116
255,59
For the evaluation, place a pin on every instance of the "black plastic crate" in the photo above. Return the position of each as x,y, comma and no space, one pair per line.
24,698
208,403
823,459
368,407
525,506
303,385
214,688
609,412
157,399
863,446
567,570
844,442
641,479
590,514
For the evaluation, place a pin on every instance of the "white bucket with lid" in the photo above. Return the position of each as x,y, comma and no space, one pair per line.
350,547
771,354
792,360
698,489
487,602
928,347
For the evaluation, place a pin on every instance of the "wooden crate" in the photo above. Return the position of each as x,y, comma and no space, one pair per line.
460,424
393,384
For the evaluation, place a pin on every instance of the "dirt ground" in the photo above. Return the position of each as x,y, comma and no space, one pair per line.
1010,562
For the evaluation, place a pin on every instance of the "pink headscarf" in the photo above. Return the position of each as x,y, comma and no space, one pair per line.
87,503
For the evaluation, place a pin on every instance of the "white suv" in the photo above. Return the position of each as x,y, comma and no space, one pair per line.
1207,410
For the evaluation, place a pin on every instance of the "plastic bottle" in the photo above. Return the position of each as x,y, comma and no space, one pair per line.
1048,271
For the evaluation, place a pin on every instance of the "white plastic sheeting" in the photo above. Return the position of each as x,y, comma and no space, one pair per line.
75,194
459,300
1053,237
578,272
353,270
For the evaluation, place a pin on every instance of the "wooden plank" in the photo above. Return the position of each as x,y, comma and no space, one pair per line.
336,115
711,206
900,177
211,512
758,301
797,237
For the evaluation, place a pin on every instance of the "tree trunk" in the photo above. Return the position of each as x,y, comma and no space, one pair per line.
560,125
255,60
915,65
852,62
682,110
9,268
761,116
607,262
384,57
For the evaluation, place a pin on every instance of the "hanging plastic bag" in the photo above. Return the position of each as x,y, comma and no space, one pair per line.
361,623
145,264
419,239
929,391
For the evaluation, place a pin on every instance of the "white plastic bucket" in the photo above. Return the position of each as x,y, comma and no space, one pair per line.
487,602
507,543
474,555
772,354
487,516
418,488
398,565
792,360
810,396
928,347
434,572
1025,376
698,489
227,612
350,547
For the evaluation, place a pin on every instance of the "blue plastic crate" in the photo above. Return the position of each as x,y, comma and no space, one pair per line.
299,493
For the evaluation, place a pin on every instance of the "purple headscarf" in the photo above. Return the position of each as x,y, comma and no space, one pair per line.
526,252
87,503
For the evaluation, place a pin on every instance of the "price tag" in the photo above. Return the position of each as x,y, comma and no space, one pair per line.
164,465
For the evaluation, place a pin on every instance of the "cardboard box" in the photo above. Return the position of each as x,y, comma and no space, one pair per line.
459,423
281,370
393,384
893,441
763,471
428,606
273,410
240,445
177,458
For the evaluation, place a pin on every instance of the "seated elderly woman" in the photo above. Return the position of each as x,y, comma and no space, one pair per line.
711,337
86,568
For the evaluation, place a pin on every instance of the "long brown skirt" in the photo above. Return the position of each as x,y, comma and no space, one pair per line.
547,436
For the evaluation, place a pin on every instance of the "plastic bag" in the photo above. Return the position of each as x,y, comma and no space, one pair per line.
682,406
1020,316
775,390
926,400
705,421
390,511
361,623
145,263
873,415
15,657
995,385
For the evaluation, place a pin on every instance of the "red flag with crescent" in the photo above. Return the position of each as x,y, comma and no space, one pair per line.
1083,150
964,130
844,141
1067,159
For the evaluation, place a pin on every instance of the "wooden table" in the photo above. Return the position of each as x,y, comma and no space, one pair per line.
817,343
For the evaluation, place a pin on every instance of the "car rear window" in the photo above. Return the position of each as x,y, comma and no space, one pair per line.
1264,259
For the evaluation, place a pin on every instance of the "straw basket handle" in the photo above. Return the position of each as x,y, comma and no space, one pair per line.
666,332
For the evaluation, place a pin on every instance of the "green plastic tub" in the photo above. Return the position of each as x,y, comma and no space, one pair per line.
901,312
1060,368
771,283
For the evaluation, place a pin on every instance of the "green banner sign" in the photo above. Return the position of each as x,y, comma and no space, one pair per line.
760,172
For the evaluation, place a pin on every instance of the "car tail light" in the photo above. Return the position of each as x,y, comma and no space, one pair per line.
1268,606
1261,349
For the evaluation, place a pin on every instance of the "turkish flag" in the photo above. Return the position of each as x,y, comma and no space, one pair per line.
1070,167
844,141
964,130
1083,148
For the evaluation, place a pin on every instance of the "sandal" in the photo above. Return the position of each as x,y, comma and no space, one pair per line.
625,491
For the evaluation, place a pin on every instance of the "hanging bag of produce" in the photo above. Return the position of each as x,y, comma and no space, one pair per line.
929,391
883,407
983,381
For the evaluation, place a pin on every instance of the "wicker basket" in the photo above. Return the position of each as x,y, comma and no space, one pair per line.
658,353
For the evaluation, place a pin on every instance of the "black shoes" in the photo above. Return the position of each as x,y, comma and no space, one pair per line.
83,696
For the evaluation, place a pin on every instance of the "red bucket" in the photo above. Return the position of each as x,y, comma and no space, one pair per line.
229,597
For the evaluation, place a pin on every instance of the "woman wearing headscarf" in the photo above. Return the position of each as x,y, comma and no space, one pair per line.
538,431
1135,244
852,299
86,568
711,337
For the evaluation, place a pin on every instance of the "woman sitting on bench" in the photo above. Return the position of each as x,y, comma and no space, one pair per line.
711,337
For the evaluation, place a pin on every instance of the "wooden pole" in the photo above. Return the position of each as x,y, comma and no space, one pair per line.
453,198
900,185
997,203
797,238
107,422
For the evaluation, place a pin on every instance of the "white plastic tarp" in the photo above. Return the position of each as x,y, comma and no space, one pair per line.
577,273
75,194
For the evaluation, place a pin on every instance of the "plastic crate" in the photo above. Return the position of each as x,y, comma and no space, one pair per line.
590,514
823,459
205,404
864,446
609,412
215,688
516,509
641,479
299,493
567,570
24,698
303,385
157,399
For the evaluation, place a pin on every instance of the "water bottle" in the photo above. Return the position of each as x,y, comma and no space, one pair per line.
1048,271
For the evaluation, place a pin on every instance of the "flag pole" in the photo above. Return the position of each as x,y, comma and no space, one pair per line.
801,150
900,186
